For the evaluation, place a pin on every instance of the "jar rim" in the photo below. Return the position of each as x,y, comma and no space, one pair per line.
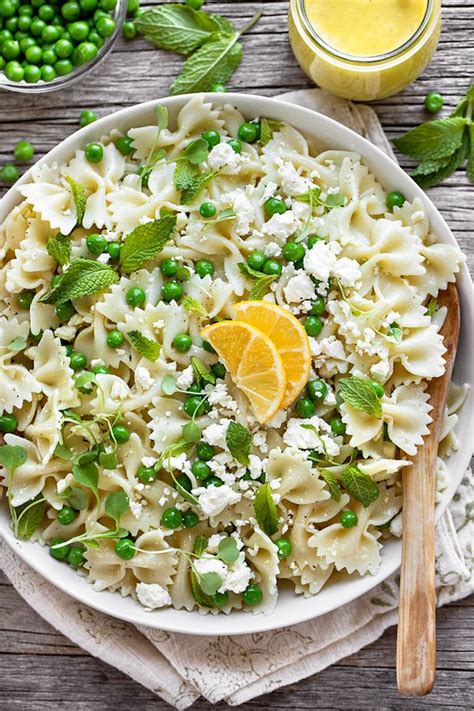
355,58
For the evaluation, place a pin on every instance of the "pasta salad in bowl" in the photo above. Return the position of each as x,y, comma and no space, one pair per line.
217,330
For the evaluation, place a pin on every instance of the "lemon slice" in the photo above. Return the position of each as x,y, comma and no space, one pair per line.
289,337
253,363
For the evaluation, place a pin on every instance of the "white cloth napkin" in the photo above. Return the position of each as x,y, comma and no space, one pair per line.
180,668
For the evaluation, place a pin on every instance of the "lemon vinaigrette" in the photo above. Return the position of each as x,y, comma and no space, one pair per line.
364,49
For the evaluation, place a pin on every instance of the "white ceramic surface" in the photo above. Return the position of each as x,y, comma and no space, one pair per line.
291,609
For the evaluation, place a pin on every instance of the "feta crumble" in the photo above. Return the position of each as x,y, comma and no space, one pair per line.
152,595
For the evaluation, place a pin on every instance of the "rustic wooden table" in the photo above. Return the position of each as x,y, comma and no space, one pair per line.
40,669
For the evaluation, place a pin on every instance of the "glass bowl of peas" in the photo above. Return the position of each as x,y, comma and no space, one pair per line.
48,44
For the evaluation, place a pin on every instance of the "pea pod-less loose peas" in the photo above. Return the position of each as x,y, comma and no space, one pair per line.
41,41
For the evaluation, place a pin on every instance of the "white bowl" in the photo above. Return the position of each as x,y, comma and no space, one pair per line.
290,609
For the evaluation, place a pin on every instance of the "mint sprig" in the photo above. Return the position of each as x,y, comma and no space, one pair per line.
197,185
185,173
80,199
238,440
261,282
268,128
193,305
361,394
146,347
59,248
265,510
201,373
83,278
359,485
145,242
442,146
30,516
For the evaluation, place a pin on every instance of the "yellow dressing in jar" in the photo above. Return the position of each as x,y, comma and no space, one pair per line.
364,49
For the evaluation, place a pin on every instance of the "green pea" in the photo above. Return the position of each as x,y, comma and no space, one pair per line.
318,307
247,132
66,515
65,311
25,10
349,519
170,291
200,469
394,199
219,599
100,369
50,33
25,298
213,481
124,145
64,48
125,549
107,5
96,244
32,74
312,325
8,424
115,339
94,152
9,173
129,31
63,67
88,5
132,6
337,426
293,251
256,260
204,267
190,519
272,266
219,370
135,296
275,206
205,451
183,274
195,4
49,57
10,49
171,518
86,117
252,594
235,144
212,138
14,72
379,390
37,26
27,42
71,11
147,475
7,8
58,553
120,434
434,102
317,390
96,39
77,360
284,548
78,30
84,52
46,13
24,23
105,26
195,406
207,209
113,248
169,267
305,407
182,342
76,557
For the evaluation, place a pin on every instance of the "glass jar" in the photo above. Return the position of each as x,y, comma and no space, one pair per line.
362,78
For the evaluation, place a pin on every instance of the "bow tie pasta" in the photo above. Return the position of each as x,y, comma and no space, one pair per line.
200,473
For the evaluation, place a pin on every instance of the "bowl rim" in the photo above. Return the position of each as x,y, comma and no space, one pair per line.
300,609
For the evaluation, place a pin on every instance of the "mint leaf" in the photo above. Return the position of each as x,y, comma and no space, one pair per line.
63,452
227,550
80,199
359,485
394,333
145,242
200,545
108,460
445,169
117,504
361,395
178,28
169,385
195,152
201,373
59,248
213,63
268,128
185,173
470,159
265,510
87,475
433,140
261,281
209,583
313,198
238,440
227,214
77,498
29,516
331,483
12,456
198,184
147,347
83,278
17,344
334,200
193,305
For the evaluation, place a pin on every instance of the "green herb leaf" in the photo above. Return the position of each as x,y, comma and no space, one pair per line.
146,347
394,332
85,381
145,242
200,545
212,63
59,248
445,169
87,475
200,182
193,305
268,128
210,583
470,159
201,373
331,483
63,452
238,440
227,214
359,485
185,494
17,344
195,152
83,278
108,460
191,432
433,140
29,516
313,198
169,385
80,199
227,550
431,307
361,395
185,173
200,597
179,28
261,287
265,510
77,498
117,504
12,456
335,200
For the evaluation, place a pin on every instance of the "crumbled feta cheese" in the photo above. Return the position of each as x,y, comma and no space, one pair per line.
332,356
292,182
348,272
224,156
214,499
213,542
270,190
319,261
119,390
103,258
181,220
299,288
220,396
256,466
215,434
149,461
143,377
135,508
272,249
280,226
278,419
206,564
62,485
237,576
297,435
244,211
260,441
152,595
185,378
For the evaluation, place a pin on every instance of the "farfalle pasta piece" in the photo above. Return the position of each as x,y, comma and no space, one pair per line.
52,371
262,557
299,480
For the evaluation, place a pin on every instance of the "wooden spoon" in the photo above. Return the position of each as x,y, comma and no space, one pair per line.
416,639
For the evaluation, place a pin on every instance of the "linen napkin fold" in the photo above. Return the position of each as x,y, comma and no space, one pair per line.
181,668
